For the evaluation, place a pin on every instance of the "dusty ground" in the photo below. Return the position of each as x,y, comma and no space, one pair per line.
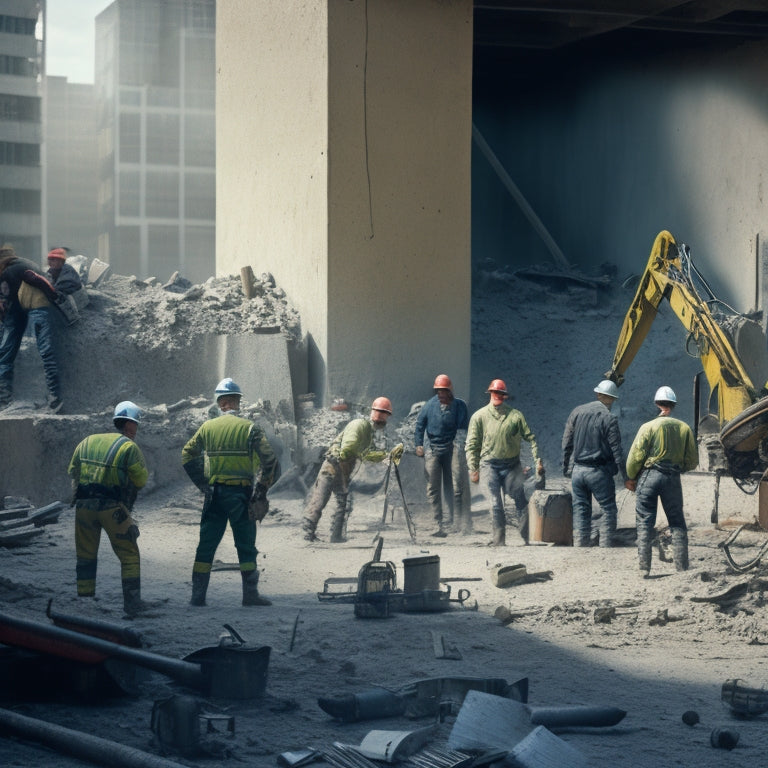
663,651
653,670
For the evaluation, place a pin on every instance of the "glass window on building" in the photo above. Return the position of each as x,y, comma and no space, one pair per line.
22,108
125,251
15,153
20,200
163,194
163,250
163,139
199,64
200,196
130,138
130,193
199,252
200,140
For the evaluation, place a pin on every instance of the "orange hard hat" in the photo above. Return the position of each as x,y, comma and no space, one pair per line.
382,404
497,385
442,382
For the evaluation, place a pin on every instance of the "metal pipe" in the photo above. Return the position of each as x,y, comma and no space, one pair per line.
81,745
56,641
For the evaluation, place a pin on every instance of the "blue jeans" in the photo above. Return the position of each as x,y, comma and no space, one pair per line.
652,486
585,482
506,475
14,326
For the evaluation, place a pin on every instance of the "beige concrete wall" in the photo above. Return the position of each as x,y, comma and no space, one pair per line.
272,148
343,165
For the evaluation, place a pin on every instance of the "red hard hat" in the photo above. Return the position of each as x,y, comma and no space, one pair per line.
497,385
57,253
442,382
382,404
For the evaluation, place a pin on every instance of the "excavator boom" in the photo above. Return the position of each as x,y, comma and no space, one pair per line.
742,413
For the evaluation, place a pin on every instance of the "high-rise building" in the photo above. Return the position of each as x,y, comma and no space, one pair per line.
21,131
154,78
71,166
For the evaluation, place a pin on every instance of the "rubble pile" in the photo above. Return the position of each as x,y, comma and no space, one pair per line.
155,316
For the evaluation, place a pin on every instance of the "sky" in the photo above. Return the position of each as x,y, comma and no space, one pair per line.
70,33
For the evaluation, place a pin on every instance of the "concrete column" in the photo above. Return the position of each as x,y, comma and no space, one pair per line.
343,168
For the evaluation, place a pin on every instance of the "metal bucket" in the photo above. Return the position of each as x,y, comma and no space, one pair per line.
233,672
421,573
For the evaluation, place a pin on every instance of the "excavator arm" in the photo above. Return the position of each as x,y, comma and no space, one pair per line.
666,277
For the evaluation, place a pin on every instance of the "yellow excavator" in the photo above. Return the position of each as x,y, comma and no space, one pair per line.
734,356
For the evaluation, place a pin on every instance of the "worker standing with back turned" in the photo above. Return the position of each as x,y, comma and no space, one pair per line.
592,455
493,452
107,472
231,461
662,450
445,418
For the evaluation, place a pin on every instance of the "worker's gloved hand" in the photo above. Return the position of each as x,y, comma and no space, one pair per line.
539,467
419,450
630,485
132,534
396,453
474,475
258,505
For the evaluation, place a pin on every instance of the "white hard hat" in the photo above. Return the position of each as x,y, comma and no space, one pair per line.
227,387
665,395
127,410
607,387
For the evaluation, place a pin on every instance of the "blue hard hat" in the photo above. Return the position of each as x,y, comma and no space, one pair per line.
227,387
127,410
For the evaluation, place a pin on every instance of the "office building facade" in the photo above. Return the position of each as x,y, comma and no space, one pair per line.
154,80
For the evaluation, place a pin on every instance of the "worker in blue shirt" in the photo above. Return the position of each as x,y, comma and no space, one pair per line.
445,418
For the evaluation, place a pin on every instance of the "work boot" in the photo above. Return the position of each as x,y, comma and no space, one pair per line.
337,529
251,594
440,532
499,537
199,587
133,605
309,526
680,549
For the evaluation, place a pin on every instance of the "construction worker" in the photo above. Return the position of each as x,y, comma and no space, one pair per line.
231,461
661,451
445,418
64,278
354,443
107,471
26,297
592,455
493,450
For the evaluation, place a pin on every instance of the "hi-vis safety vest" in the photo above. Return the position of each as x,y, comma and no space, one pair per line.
226,442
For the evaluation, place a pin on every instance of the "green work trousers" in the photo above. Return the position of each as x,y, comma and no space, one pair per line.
226,504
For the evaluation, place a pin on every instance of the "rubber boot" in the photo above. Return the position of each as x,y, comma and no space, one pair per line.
132,602
499,537
680,549
199,587
251,594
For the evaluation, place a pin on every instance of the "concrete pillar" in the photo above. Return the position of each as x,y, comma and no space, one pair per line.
343,168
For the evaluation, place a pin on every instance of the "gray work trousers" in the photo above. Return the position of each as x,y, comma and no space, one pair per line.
448,489
505,475
333,478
